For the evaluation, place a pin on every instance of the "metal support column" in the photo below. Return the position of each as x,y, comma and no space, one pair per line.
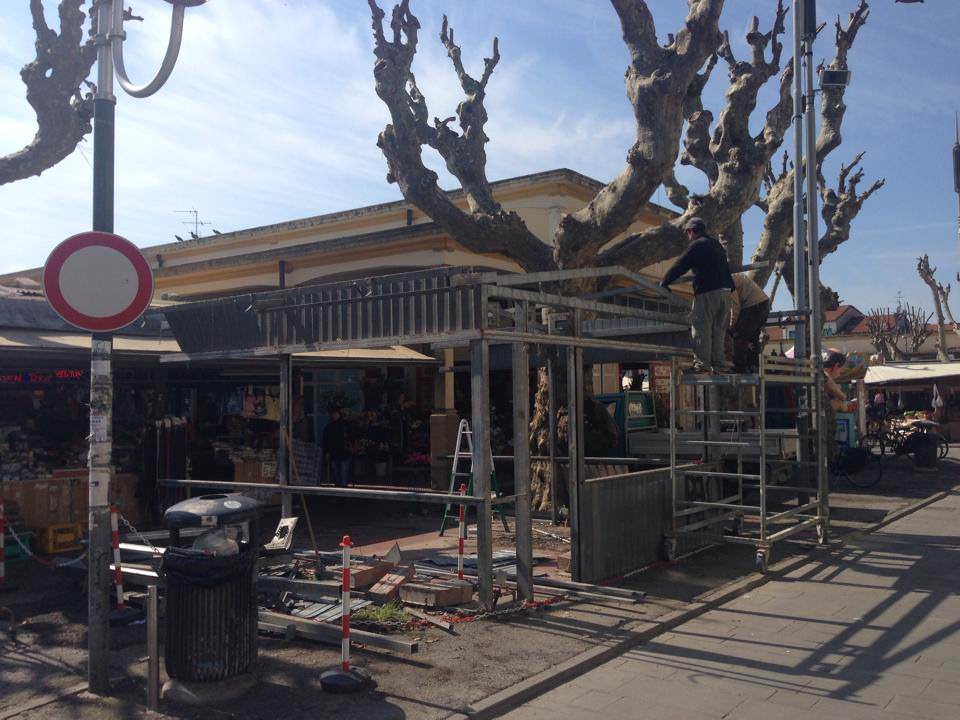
482,457
799,235
283,450
554,389
575,464
521,458
99,577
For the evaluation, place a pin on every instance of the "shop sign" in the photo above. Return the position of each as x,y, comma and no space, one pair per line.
97,281
41,377
660,375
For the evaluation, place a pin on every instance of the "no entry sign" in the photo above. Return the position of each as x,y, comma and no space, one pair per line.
97,281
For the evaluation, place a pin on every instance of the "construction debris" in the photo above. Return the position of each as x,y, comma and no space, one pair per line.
436,592
388,587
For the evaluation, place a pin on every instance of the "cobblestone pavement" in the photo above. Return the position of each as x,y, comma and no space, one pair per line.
871,630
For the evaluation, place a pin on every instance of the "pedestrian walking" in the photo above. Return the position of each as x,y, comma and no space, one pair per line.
712,284
749,308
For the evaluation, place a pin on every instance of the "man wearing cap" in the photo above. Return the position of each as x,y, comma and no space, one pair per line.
712,284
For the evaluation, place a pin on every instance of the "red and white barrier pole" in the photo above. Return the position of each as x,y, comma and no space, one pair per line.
345,621
463,533
117,570
3,540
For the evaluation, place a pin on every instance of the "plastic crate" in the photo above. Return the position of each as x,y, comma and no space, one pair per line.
12,551
62,537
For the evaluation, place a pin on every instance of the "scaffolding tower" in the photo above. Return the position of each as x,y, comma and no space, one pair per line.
733,455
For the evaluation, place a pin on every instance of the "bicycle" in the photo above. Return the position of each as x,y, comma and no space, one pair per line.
900,440
857,465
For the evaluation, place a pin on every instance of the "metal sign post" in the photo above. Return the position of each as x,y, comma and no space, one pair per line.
83,301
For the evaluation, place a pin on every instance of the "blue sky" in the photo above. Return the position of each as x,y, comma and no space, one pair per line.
270,115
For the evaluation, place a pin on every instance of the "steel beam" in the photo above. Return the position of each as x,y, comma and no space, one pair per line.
482,466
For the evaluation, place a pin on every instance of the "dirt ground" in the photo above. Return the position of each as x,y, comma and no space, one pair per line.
42,671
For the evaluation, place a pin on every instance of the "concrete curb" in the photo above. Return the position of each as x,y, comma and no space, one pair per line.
635,634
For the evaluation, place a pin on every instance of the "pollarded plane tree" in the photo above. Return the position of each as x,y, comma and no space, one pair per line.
899,334
941,305
54,81
664,84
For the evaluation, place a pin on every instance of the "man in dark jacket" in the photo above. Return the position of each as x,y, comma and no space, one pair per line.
712,284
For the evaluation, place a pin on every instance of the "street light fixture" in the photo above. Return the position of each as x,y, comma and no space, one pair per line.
109,40
834,78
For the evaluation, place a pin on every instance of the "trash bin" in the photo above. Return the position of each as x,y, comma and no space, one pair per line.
924,448
211,607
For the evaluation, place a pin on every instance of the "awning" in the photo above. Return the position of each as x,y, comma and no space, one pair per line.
393,355
44,340
398,354
906,373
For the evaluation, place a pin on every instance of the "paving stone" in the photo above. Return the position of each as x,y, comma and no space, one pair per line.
924,707
862,637
794,699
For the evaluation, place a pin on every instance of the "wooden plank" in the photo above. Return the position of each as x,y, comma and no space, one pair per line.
330,634
429,618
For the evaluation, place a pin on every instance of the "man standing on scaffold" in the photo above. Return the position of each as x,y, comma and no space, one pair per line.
712,285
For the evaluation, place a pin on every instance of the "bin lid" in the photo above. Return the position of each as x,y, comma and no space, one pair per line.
211,511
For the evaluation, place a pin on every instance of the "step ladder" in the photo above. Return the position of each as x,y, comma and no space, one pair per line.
458,477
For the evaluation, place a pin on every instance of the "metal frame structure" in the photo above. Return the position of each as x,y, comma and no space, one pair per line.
753,448
445,308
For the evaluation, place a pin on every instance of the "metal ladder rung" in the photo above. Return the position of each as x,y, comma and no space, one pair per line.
731,476
722,413
716,443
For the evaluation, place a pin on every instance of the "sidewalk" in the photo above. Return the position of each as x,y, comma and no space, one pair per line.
868,631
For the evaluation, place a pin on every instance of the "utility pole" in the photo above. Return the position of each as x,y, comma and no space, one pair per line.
101,375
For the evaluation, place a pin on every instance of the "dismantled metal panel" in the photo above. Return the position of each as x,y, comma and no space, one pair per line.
623,520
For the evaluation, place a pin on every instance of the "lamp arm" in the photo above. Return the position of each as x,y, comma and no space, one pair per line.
169,59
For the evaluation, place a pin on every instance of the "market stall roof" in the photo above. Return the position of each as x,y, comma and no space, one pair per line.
393,354
23,339
904,373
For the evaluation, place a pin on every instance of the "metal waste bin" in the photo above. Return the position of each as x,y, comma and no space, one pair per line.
211,607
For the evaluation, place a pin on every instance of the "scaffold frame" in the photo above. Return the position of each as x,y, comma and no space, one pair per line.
725,514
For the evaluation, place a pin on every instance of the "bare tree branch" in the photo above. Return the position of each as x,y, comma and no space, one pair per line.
737,161
657,80
487,228
53,81
927,273
777,230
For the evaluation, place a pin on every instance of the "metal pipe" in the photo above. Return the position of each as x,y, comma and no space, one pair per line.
812,226
799,256
153,649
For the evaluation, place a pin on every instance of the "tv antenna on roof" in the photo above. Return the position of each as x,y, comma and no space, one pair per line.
196,222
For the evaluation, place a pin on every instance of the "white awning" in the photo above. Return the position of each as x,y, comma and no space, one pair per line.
400,354
906,373
47,340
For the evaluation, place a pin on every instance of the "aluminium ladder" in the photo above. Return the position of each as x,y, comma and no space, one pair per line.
463,452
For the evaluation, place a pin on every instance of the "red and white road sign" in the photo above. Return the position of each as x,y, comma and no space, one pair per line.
98,281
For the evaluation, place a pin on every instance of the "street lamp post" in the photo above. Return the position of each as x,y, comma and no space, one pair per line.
109,39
